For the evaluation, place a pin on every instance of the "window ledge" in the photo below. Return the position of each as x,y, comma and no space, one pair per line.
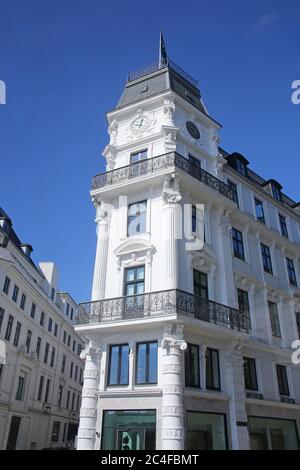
144,392
207,394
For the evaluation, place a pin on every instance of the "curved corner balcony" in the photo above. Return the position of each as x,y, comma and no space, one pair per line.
162,303
151,165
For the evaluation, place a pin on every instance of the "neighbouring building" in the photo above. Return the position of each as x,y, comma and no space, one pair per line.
188,348
41,381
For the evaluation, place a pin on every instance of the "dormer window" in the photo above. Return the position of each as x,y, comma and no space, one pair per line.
241,168
276,192
239,163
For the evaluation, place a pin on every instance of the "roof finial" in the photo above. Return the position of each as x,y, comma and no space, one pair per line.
163,57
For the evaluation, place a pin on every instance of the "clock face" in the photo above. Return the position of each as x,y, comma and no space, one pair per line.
140,123
193,130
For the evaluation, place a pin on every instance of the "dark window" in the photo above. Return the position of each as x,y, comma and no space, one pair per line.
40,390
28,340
76,373
80,376
243,301
69,340
212,369
266,258
283,384
78,403
52,293
71,370
73,401
137,156
146,363
274,319
259,211
32,313
17,334
52,357
23,301
68,399
42,319
276,192
192,367
55,329
55,431
238,246
46,353
79,348
65,432
64,337
73,345
1,370
60,393
194,219
72,313
298,322
50,325
200,284
38,346
63,363
118,365
68,308
15,294
283,226
134,281
195,166
250,373
234,190
20,388
6,285
9,327
47,390
137,218
291,271
1,317
241,167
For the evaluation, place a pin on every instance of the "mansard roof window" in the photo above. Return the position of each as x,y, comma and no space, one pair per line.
275,189
239,163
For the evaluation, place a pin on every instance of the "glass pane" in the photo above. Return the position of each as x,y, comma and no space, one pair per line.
140,288
140,273
129,289
124,365
153,363
206,431
114,359
141,364
273,434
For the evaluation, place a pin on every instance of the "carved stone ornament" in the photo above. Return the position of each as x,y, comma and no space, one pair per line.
101,212
173,337
169,111
90,349
171,195
113,132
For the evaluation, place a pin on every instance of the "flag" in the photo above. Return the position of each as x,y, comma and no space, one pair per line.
162,51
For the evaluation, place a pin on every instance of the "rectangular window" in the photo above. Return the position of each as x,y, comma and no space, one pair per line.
274,319
23,301
6,285
55,329
213,381
238,246
250,374
72,313
79,349
78,403
136,218
63,363
46,353
71,370
206,431
266,258
276,192
298,322
17,334
55,431
118,365
73,401
241,167
15,294
192,366
291,272
272,434
1,317
68,400
28,340
73,345
194,219
283,384
259,211
69,340
40,390
9,327
195,166
283,226
42,319
20,388
38,347
64,337
50,325
80,376
59,395
134,282
200,284
47,391
76,373
234,190
146,363
243,301
138,156
32,313
52,357
52,293
67,310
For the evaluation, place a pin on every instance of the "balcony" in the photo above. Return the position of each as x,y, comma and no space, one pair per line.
162,303
169,160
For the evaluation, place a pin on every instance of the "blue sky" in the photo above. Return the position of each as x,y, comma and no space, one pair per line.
65,63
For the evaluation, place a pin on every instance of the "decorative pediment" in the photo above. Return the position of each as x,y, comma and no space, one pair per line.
204,259
134,250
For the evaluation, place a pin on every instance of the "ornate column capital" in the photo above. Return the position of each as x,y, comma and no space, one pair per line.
90,350
171,195
173,338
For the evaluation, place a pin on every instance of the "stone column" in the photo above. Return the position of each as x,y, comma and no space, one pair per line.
98,290
235,387
173,346
88,411
170,229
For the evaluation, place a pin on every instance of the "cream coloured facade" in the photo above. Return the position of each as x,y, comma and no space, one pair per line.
41,380
187,348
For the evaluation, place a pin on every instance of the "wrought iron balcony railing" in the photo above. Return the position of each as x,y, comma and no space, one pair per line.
163,303
151,165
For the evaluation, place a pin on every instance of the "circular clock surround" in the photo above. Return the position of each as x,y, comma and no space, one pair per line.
140,123
192,130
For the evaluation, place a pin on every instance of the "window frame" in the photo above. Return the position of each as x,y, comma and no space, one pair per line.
209,352
266,259
283,225
6,285
238,244
200,285
119,365
252,374
290,266
282,380
17,334
144,229
259,203
135,281
187,368
140,152
274,319
147,363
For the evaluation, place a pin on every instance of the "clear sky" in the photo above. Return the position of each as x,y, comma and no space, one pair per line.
65,63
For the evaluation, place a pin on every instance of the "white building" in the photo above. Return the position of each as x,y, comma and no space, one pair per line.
188,349
41,381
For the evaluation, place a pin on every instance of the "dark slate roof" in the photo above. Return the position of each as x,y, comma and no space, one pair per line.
154,80
13,237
